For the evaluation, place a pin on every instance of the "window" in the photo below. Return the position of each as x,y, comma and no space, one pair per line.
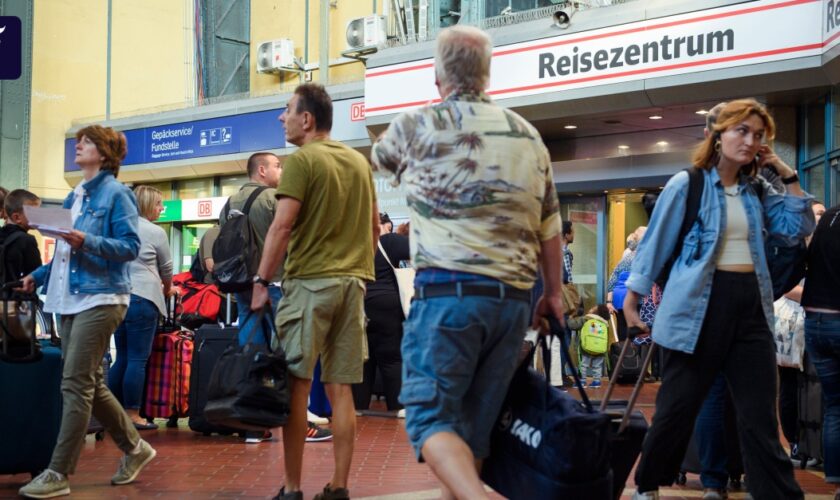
815,131
230,185
195,188
816,181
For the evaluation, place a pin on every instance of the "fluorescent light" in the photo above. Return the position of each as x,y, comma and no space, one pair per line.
623,146
570,127
701,112
662,143
655,117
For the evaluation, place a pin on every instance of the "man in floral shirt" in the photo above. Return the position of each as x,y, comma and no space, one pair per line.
484,215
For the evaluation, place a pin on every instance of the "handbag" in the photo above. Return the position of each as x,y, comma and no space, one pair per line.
249,386
789,333
545,443
405,281
571,299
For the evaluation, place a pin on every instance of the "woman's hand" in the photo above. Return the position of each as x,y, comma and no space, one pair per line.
173,291
75,239
767,157
27,284
631,311
611,307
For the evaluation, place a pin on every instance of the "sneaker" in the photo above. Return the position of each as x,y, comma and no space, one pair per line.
715,494
292,495
47,484
132,464
315,419
401,413
316,433
596,384
257,437
648,495
333,494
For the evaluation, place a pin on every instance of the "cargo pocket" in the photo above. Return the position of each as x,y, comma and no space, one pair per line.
289,336
418,391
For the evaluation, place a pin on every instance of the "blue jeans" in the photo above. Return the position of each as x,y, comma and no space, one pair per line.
248,322
822,341
133,339
710,436
459,355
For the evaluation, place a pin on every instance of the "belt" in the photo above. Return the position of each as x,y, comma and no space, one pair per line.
462,289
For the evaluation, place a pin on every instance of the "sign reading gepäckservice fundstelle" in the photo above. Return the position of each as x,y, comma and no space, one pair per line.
215,136
725,37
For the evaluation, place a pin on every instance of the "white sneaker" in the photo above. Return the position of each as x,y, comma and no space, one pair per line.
401,413
47,484
315,419
648,495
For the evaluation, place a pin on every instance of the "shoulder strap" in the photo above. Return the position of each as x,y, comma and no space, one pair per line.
253,196
692,206
385,254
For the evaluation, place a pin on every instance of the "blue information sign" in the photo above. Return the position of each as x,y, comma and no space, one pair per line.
216,136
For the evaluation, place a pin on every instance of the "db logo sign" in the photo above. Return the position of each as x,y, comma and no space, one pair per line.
205,208
357,111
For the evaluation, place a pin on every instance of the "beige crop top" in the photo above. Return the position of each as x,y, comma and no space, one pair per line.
736,247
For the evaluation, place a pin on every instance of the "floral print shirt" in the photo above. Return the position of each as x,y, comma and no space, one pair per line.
479,187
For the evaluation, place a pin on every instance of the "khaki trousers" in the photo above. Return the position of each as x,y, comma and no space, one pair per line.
84,340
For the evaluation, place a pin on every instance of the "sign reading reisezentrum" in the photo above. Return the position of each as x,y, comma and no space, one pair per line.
724,37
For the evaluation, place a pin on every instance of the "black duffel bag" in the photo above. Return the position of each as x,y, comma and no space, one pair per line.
249,386
546,444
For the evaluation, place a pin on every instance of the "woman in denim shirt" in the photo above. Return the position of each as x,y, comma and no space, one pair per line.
716,312
87,283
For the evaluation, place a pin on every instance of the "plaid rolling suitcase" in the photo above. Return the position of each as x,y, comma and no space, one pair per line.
167,389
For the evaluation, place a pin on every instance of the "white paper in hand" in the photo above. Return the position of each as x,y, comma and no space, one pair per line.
50,221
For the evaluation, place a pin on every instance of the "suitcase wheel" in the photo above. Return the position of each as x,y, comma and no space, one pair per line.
681,478
99,436
172,423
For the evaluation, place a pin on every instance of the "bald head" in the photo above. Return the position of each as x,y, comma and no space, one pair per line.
462,61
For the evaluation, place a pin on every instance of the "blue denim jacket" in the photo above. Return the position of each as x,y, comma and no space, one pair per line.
683,307
109,220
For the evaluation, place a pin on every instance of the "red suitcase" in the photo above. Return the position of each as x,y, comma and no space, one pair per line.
167,387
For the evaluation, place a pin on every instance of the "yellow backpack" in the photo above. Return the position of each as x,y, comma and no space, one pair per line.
594,335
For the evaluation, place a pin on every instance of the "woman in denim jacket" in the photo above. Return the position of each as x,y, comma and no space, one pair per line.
87,283
716,312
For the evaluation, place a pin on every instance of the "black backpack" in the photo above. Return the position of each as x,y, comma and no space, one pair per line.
235,251
7,273
786,263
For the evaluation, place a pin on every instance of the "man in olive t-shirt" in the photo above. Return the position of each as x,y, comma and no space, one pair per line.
327,224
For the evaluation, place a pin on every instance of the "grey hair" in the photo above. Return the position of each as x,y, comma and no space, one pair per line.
462,60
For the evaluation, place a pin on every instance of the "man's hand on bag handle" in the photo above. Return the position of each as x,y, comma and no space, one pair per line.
549,305
27,285
259,297
631,312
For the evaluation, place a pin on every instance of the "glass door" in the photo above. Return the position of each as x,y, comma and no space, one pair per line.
588,222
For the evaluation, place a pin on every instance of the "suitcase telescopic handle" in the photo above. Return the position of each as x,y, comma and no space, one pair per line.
558,331
632,333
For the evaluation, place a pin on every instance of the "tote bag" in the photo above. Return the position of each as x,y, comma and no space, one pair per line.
405,281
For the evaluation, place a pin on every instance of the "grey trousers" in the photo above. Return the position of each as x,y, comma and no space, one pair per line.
84,339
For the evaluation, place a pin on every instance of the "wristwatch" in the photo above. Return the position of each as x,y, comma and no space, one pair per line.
791,179
261,281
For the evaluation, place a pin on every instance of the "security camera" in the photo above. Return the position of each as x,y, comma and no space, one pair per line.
562,19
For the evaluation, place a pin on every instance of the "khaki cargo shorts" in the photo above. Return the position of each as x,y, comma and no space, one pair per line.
323,317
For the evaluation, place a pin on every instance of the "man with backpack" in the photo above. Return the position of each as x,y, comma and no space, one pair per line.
254,203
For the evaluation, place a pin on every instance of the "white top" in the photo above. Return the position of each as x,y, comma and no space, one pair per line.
736,247
59,299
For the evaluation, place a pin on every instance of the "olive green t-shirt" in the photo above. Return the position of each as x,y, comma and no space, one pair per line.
333,233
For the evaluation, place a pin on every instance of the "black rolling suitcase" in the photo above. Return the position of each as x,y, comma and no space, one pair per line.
30,391
809,392
209,344
628,426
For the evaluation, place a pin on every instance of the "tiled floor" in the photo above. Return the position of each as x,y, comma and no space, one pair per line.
193,466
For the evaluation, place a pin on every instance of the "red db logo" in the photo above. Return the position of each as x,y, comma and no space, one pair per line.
357,111
205,208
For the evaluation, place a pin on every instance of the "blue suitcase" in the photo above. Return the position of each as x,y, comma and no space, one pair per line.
30,412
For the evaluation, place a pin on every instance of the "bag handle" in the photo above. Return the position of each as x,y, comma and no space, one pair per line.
556,330
267,332
385,254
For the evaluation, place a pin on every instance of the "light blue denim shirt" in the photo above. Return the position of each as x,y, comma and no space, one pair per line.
109,220
683,307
